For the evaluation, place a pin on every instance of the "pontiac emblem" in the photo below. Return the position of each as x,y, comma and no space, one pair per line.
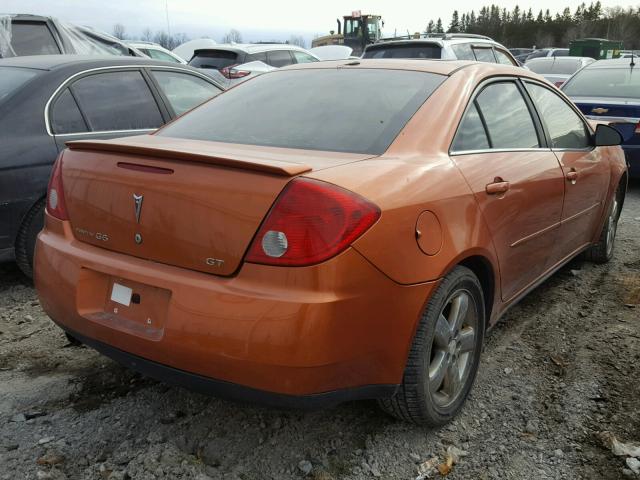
137,200
599,110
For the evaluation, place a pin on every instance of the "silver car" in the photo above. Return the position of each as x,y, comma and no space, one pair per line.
557,70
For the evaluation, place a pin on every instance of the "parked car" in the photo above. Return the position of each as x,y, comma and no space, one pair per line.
231,60
153,50
521,54
46,101
557,70
296,253
38,35
447,47
609,90
548,52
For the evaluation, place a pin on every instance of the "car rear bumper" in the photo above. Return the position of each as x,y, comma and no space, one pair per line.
336,331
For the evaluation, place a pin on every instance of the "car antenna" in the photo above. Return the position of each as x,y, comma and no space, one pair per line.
632,64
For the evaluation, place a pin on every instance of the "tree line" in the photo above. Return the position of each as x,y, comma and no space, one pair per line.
524,28
170,42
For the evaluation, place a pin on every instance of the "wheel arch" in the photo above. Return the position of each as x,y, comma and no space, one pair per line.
483,269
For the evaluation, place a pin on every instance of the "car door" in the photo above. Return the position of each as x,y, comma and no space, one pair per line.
586,174
183,90
517,181
105,104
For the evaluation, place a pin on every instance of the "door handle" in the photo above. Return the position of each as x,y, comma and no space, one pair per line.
498,186
572,176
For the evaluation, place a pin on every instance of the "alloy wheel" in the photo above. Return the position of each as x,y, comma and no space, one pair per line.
612,225
452,351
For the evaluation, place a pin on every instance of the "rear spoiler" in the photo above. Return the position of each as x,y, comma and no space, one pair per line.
214,153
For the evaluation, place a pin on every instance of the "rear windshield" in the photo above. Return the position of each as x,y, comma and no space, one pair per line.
31,38
216,59
560,66
423,50
12,78
358,111
605,82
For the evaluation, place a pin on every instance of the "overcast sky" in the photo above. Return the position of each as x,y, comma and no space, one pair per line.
260,20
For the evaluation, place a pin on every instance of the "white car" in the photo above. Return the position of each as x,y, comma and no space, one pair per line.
238,62
557,70
157,52
186,49
448,46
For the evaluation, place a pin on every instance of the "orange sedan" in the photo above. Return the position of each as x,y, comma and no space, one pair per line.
329,232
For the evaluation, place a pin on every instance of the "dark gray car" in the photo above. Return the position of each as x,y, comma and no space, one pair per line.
46,101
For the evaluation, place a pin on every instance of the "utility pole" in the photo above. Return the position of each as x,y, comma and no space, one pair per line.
166,10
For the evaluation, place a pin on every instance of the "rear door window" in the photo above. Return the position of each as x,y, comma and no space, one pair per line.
563,124
257,57
184,91
484,55
471,134
279,58
503,58
507,117
215,59
32,38
66,116
117,101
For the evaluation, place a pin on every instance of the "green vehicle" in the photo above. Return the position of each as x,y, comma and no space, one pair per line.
598,48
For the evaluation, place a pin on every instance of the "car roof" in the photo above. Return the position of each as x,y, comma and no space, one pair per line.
441,67
26,16
434,41
54,62
566,59
614,63
252,47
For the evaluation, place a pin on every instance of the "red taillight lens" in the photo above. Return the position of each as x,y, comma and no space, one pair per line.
55,194
637,131
231,73
311,222
558,84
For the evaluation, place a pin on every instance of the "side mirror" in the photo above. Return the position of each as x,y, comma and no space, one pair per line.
607,136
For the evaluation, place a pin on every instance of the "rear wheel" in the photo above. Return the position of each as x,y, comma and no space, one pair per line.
26,241
602,251
445,353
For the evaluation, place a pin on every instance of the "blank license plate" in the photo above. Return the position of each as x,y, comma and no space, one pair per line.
121,294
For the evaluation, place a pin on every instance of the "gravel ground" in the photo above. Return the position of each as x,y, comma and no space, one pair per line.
561,368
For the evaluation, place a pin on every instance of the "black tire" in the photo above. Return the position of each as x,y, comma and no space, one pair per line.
602,251
415,401
26,241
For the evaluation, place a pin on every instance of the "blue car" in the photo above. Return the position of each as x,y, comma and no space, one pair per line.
609,90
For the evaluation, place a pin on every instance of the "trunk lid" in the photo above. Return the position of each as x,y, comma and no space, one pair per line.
191,204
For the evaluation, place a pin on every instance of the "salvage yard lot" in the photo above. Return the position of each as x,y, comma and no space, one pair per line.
558,370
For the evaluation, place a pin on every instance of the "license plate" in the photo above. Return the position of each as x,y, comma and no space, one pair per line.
121,294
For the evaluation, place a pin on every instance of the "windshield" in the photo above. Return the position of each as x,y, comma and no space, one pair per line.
12,78
605,82
358,111
422,50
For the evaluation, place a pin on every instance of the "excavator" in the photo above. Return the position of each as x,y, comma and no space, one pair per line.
359,31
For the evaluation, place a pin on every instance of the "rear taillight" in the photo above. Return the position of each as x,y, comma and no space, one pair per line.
231,73
559,84
637,131
311,222
55,194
